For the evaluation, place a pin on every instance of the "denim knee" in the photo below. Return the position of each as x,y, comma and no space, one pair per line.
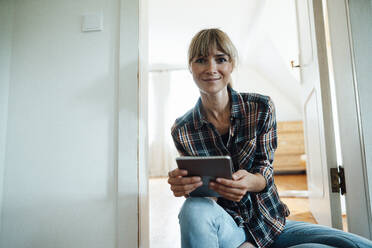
311,245
297,234
197,211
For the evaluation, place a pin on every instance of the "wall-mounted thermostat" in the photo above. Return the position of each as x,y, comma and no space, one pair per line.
92,22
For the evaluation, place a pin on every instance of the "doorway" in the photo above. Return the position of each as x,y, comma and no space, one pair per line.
266,40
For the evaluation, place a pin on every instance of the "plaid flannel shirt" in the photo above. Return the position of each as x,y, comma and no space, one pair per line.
251,145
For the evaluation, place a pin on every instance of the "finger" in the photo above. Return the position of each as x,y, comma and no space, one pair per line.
179,194
231,183
191,190
177,172
220,187
184,188
239,174
183,180
230,196
187,192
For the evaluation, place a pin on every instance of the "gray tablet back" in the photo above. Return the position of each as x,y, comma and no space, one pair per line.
208,168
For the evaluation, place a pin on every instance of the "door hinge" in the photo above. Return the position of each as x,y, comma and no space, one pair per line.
338,180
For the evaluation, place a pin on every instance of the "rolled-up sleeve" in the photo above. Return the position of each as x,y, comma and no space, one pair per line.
266,144
176,140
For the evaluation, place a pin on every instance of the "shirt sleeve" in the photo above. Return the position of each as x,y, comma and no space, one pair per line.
266,144
176,140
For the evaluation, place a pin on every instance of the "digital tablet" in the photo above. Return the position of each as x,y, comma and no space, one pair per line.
208,168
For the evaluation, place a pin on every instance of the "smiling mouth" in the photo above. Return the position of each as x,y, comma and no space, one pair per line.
211,79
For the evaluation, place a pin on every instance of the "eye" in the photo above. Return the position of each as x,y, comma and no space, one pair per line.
222,60
200,60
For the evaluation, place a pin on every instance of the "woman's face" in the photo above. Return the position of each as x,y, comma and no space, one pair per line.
212,74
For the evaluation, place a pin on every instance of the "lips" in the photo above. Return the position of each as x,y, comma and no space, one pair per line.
211,79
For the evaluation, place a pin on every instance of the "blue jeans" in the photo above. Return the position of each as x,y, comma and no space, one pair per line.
204,223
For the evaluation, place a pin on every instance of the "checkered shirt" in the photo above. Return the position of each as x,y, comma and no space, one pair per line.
251,145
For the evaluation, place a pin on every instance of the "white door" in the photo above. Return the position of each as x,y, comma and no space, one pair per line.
348,41
318,123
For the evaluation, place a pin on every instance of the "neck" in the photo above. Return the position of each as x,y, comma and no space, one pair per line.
216,106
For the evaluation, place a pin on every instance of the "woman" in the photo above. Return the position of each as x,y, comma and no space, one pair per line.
243,126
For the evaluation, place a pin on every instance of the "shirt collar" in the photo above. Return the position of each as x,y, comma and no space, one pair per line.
237,109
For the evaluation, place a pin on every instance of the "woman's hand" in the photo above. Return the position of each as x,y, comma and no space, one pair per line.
242,182
182,185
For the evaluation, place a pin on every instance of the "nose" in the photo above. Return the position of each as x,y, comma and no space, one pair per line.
211,67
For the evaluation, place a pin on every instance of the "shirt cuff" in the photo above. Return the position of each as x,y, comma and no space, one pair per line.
266,171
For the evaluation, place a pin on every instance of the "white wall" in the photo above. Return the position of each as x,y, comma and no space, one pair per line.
6,18
60,180
288,108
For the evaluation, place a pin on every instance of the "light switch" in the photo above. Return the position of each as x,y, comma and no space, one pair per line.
92,22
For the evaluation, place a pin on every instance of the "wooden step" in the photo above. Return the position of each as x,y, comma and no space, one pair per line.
289,154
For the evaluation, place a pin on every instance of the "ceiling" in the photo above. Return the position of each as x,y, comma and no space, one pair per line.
172,24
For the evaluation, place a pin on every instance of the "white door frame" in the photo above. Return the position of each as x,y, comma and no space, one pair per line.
341,66
132,126
132,191
143,170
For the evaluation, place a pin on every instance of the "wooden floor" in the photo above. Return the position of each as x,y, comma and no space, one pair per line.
164,208
299,207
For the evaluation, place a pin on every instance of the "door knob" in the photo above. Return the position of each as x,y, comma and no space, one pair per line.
293,65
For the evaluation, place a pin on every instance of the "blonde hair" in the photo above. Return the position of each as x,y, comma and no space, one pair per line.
206,39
